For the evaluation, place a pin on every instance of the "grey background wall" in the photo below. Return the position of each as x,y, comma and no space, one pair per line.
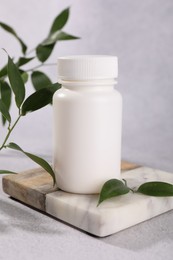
140,33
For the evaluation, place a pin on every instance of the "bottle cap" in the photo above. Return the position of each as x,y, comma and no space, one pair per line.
87,67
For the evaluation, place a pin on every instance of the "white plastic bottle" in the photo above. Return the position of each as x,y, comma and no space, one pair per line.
87,123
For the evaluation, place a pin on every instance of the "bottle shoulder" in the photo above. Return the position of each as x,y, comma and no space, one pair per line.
64,93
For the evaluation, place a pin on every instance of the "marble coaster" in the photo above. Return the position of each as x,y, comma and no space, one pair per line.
115,214
34,187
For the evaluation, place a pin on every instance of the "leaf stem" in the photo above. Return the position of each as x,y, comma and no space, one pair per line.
132,190
125,183
10,129
30,51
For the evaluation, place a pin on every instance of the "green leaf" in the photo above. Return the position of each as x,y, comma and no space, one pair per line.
63,36
22,61
60,21
5,172
112,188
39,99
43,52
40,80
5,92
45,165
24,76
45,49
4,111
16,82
58,36
3,71
156,188
9,29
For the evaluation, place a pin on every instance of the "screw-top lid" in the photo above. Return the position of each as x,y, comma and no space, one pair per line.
87,67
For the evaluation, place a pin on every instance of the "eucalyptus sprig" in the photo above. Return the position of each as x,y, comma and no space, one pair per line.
13,78
114,187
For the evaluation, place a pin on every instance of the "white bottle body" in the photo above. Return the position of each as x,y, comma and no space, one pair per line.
87,136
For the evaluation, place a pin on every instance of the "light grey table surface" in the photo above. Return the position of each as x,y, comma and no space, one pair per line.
28,234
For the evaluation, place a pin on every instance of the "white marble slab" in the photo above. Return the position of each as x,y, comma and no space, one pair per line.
115,214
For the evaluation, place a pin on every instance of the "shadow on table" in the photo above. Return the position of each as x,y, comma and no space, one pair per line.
23,219
144,235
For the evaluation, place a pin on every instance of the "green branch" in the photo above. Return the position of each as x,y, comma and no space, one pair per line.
40,65
10,129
